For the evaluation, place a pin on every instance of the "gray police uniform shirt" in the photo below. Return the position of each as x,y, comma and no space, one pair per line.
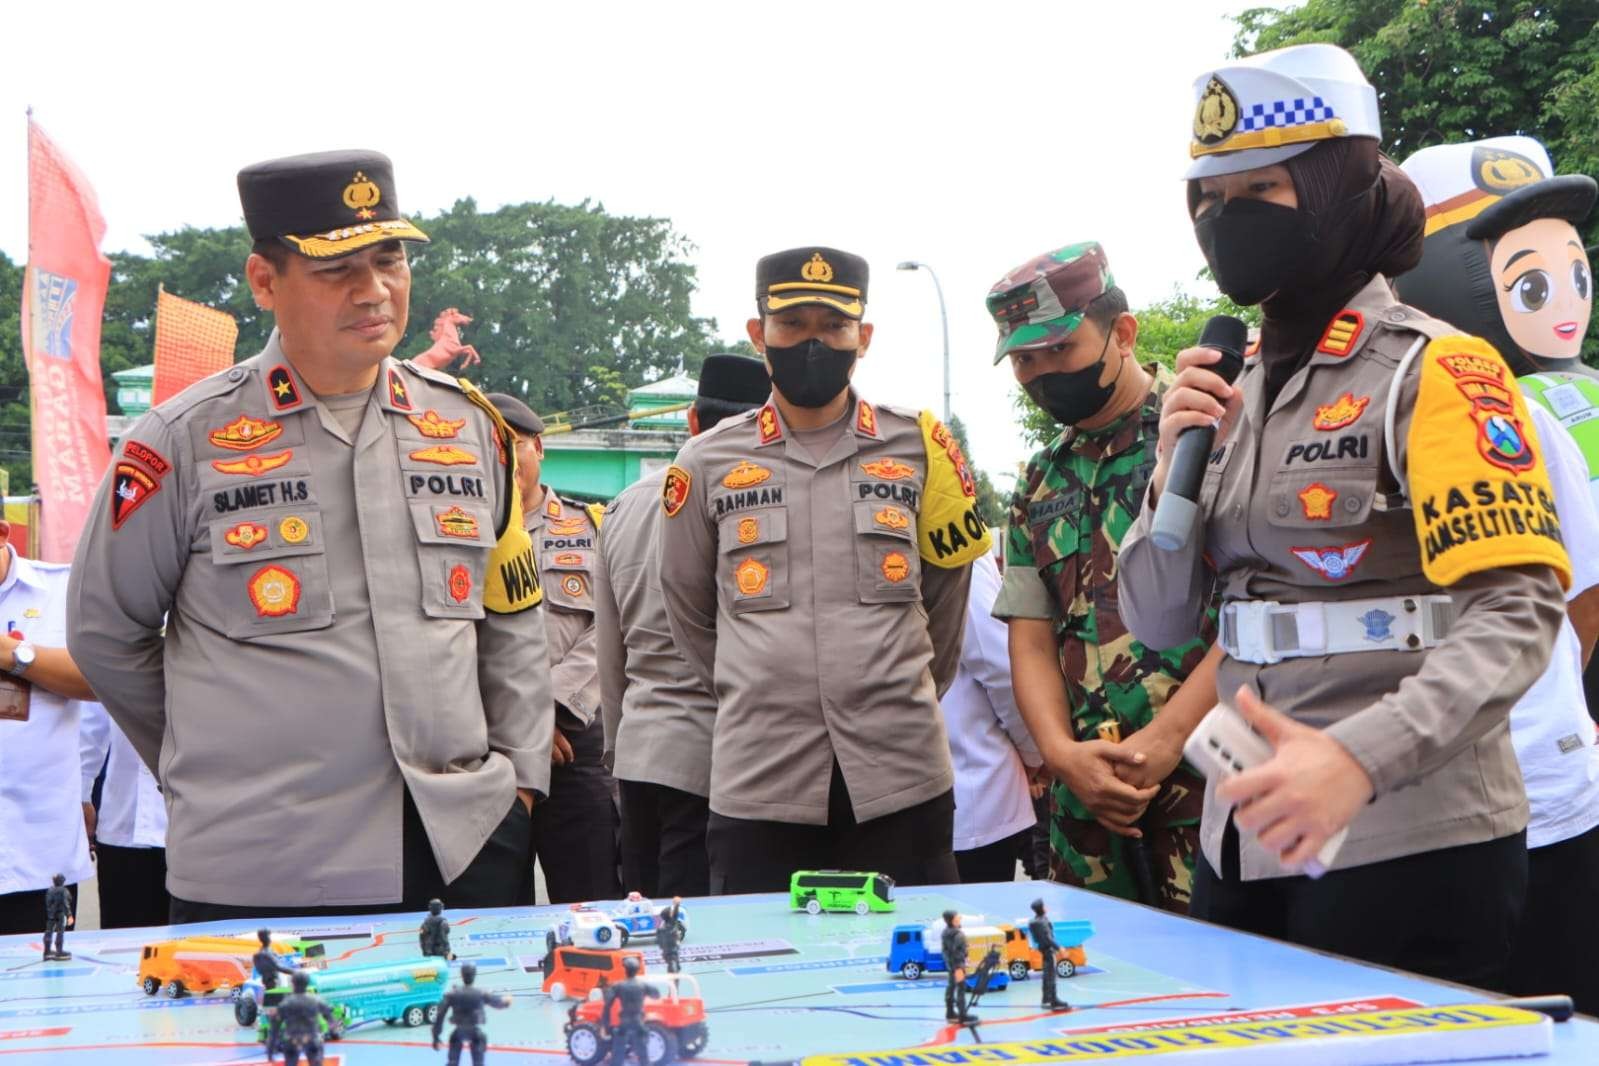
796,591
1302,507
658,716
326,642
563,539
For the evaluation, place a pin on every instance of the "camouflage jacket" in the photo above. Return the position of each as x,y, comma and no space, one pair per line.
1067,520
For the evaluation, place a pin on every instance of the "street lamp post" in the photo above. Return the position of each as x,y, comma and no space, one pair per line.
943,320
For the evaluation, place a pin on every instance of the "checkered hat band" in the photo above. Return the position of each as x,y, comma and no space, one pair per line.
1295,112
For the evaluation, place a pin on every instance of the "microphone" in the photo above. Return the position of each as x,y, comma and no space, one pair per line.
1178,506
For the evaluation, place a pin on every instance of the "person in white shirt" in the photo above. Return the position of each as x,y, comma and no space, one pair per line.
42,830
1555,744
993,753
129,830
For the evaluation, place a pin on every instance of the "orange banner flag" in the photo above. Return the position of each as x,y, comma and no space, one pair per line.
63,297
192,341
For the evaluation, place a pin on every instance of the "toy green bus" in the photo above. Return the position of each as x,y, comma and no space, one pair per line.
815,891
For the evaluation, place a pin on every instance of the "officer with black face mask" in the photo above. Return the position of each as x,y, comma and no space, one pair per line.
1378,518
815,561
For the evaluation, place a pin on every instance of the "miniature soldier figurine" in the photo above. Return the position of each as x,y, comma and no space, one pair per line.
465,1004
57,917
1042,930
435,932
669,934
628,1032
296,1027
267,964
954,951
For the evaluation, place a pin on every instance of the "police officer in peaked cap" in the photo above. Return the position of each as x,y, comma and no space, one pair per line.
305,583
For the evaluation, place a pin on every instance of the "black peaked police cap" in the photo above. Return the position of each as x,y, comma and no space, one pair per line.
326,204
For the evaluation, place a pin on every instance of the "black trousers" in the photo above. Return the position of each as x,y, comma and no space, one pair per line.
663,841
993,862
1450,914
133,886
1559,936
1035,857
912,846
23,912
575,829
497,877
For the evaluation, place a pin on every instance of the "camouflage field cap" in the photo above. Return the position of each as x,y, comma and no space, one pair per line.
1042,301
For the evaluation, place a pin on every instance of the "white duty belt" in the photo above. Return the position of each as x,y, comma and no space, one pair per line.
1265,631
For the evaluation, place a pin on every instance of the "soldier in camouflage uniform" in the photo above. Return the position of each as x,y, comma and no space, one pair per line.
1109,714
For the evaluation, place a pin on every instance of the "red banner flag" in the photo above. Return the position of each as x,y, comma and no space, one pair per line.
192,341
63,295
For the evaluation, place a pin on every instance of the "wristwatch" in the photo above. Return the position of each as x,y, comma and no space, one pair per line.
21,658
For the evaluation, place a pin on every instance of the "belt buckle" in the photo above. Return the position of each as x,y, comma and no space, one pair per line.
1252,620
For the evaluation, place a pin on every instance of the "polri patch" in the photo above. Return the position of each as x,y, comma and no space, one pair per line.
889,470
1317,500
1333,564
246,535
1344,411
456,522
750,576
674,491
245,434
252,465
132,488
435,426
444,455
275,592
460,583
746,474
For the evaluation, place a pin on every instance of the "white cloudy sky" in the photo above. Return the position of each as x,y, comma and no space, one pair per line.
970,136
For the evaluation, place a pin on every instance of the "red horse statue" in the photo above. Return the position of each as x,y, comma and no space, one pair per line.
447,344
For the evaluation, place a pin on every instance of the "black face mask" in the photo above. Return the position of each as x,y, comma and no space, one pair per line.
810,374
1073,396
1257,248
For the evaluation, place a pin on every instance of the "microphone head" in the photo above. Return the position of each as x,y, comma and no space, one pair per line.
1226,334
1229,336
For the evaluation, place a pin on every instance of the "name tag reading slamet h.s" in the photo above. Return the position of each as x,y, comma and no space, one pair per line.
261,494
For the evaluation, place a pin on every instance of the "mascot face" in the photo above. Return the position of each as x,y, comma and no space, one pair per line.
1544,287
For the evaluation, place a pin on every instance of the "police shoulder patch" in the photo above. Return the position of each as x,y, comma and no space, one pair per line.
950,532
674,490
1479,490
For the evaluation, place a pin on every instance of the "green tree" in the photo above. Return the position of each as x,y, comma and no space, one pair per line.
1165,328
555,291
990,505
1458,70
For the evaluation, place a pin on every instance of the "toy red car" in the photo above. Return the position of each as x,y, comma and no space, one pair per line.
674,1023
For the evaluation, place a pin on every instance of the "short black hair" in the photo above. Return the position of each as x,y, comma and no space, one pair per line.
1103,309
273,251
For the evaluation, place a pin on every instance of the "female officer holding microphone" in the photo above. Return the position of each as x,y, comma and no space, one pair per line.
1377,516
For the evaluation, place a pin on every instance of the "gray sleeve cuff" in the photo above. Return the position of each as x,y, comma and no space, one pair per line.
1023,594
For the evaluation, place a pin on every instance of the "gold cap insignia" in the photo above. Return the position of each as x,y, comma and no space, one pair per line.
818,270
362,195
1217,114
1500,171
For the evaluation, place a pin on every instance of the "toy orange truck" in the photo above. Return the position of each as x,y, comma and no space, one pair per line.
203,964
674,1024
574,972
1022,958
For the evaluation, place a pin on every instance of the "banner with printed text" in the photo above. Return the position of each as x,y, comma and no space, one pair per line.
63,295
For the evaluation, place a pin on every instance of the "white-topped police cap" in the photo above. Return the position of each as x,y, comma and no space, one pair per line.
1495,185
1268,108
